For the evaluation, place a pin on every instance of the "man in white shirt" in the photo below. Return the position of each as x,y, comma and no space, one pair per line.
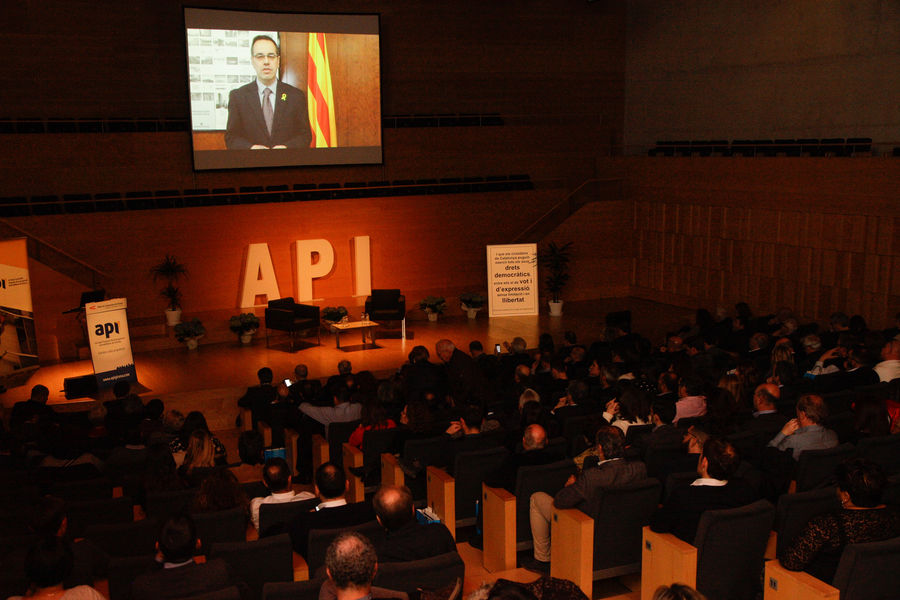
277,477
889,367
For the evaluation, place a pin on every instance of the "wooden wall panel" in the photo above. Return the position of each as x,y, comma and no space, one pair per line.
817,235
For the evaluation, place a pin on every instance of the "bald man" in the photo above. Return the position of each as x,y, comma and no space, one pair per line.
766,421
534,452
405,539
889,367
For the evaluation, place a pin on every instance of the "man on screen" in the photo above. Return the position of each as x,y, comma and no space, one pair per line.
267,113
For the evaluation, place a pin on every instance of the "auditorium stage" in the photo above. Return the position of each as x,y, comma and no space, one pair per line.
214,376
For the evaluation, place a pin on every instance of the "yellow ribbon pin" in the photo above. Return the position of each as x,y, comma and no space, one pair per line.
284,97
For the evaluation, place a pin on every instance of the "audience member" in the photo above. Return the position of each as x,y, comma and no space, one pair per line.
47,565
33,409
177,575
251,447
889,367
219,490
862,518
351,564
611,471
332,512
258,397
192,422
691,399
277,477
341,410
199,458
715,488
374,417
405,538
806,431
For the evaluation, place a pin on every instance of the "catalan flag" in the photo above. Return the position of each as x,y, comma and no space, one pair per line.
319,97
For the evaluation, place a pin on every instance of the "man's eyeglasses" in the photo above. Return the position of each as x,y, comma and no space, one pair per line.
270,56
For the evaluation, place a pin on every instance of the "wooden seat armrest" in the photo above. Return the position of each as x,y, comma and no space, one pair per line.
246,419
781,584
291,445
771,544
391,473
266,431
499,508
353,457
320,454
442,497
572,547
664,559
301,569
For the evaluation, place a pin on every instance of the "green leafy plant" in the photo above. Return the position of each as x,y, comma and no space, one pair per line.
472,300
189,330
334,313
435,304
556,259
172,295
243,323
170,271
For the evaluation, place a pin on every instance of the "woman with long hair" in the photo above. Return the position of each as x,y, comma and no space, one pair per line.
199,458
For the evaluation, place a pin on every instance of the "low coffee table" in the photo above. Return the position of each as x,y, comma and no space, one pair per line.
366,327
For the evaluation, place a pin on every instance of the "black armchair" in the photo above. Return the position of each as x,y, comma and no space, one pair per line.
286,315
387,305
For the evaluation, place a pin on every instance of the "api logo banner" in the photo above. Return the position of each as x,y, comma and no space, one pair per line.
107,326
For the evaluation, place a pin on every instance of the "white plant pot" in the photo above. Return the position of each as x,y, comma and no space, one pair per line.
173,317
247,337
432,316
472,312
192,343
555,308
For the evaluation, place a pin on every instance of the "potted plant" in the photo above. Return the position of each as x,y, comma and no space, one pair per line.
244,325
433,306
556,258
471,303
190,333
170,271
335,314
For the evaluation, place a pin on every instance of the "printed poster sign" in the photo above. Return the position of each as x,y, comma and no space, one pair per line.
512,280
18,346
107,326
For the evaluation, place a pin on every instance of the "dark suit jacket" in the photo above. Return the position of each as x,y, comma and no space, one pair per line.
680,513
415,541
246,125
180,582
765,426
464,378
257,399
615,473
328,518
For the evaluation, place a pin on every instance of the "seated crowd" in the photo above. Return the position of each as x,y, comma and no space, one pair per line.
734,400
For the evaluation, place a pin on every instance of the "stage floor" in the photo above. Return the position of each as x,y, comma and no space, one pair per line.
174,372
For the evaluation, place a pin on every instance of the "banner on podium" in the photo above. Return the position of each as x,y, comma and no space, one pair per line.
512,280
107,326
